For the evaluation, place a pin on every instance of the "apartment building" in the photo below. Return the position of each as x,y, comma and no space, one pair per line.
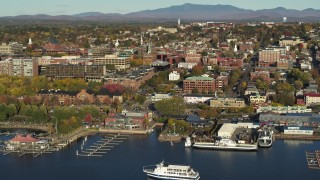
201,83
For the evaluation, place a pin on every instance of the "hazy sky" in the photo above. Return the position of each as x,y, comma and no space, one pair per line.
58,7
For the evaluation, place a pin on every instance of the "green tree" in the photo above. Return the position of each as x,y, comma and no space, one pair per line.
140,98
173,106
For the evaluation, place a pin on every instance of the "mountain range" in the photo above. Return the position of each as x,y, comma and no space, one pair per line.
187,12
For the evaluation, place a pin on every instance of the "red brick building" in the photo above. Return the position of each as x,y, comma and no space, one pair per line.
202,84
265,75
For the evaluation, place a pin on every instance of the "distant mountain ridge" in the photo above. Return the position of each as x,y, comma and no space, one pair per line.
188,12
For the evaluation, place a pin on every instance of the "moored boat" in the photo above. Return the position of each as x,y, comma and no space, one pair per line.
169,171
225,144
265,138
188,142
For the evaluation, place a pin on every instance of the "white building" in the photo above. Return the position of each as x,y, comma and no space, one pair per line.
120,63
312,99
186,65
191,99
11,48
227,129
174,76
159,97
257,99
295,130
283,109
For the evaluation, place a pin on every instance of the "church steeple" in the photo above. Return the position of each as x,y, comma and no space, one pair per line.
30,42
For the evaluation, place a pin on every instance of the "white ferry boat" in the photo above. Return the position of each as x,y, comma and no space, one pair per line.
169,171
265,138
225,144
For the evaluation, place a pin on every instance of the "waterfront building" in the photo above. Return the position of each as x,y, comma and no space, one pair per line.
296,130
305,119
25,143
120,63
227,129
227,103
199,83
283,109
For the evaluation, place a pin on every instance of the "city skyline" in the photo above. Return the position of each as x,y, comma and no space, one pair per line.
70,7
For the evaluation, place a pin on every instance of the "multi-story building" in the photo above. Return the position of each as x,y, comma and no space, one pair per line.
6,67
227,103
283,109
257,99
19,67
291,41
193,58
312,99
269,57
200,83
120,63
11,48
30,67
229,63
221,82
174,76
284,64
191,99
101,51
132,81
186,65
220,25
89,72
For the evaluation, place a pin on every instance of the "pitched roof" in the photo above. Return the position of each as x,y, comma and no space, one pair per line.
27,138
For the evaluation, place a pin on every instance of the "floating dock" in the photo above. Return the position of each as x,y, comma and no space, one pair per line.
101,147
313,159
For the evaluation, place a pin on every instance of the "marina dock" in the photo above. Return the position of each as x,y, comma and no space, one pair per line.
101,147
313,159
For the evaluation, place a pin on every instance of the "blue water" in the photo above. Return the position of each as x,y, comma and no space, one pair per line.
284,160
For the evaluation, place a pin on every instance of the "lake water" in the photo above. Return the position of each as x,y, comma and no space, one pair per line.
284,160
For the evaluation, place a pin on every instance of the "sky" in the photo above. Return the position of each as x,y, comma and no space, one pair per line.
69,7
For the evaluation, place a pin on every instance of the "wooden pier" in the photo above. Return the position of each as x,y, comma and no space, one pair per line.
313,159
20,153
101,147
